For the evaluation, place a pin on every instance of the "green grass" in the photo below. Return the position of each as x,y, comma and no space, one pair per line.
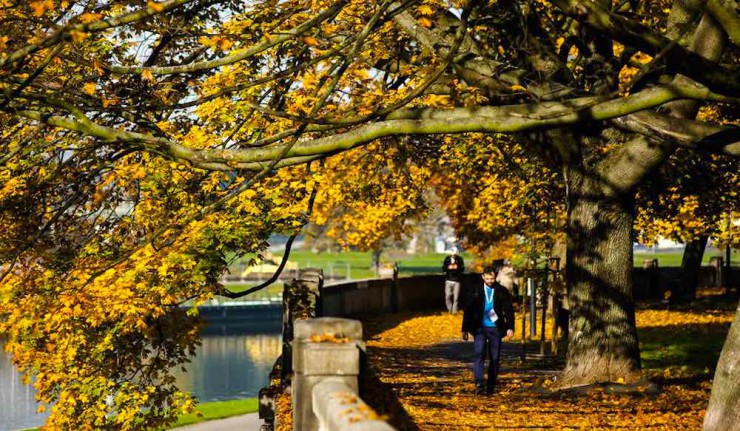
668,259
219,410
356,265
693,347
211,411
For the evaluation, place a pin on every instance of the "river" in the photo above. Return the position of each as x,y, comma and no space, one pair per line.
225,367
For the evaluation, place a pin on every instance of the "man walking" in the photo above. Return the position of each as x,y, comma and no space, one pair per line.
453,267
488,317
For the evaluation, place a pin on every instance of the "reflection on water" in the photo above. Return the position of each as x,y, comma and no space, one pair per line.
230,366
17,402
225,367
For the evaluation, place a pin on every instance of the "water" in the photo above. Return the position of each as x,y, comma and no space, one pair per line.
225,367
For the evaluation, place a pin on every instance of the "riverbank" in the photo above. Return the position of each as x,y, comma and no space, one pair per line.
217,415
248,422
218,410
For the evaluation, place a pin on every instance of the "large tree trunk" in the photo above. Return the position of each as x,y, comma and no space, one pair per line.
691,267
602,345
723,413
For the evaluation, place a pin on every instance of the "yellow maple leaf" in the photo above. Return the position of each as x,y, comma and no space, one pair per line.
147,75
156,7
90,17
40,7
309,40
425,10
89,88
425,22
78,36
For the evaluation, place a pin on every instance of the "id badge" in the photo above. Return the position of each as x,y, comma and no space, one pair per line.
492,315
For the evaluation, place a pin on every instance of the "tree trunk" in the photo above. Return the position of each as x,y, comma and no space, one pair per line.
691,267
723,412
602,344
375,259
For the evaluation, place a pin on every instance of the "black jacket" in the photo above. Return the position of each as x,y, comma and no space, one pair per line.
453,273
475,304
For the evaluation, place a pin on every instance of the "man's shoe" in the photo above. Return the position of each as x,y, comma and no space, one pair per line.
490,391
480,390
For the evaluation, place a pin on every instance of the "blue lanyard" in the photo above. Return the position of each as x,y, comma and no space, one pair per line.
489,300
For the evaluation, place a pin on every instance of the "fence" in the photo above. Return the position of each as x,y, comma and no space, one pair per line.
306,367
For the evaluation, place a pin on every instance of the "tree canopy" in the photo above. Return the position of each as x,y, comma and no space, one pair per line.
146,143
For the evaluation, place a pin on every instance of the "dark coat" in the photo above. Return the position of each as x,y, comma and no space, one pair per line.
453,274
475,304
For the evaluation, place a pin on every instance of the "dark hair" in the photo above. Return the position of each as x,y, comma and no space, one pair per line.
491,269
495,267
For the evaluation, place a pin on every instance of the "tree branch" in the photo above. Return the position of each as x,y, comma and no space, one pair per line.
240,54
499,119
96,26
685,133
716,77
725,12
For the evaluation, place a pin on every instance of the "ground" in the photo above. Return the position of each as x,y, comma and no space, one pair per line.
420,376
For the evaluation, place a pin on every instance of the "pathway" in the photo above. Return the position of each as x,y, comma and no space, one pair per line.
419,376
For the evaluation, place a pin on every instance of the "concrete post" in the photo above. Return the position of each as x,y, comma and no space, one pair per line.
323,349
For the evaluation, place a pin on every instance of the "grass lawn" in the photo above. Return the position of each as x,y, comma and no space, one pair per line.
425,263
687,337
666,259
211,411
356,265
219,410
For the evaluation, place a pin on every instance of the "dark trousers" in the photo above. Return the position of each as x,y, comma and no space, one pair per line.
482,337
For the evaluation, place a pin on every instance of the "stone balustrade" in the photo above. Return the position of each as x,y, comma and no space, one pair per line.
326,364
338,408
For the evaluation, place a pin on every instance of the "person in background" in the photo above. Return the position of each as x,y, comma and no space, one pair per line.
507,277
453,267
489,318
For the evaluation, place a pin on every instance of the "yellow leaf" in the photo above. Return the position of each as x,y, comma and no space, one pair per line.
425,22
78,36
89,88
309,40
156,7
40,7
517,87
90,17
425,10
224,44
146,75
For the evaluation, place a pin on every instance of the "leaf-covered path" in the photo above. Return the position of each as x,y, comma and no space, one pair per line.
420,377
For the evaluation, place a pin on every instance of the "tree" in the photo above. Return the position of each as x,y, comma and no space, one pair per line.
368,196
722,412
139,138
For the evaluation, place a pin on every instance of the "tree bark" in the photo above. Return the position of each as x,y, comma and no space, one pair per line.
691,267
375,259
723,412
602,345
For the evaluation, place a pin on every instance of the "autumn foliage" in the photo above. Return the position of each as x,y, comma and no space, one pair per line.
146,144
420,375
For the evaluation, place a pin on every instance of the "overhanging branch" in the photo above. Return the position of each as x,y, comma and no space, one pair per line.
501,119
